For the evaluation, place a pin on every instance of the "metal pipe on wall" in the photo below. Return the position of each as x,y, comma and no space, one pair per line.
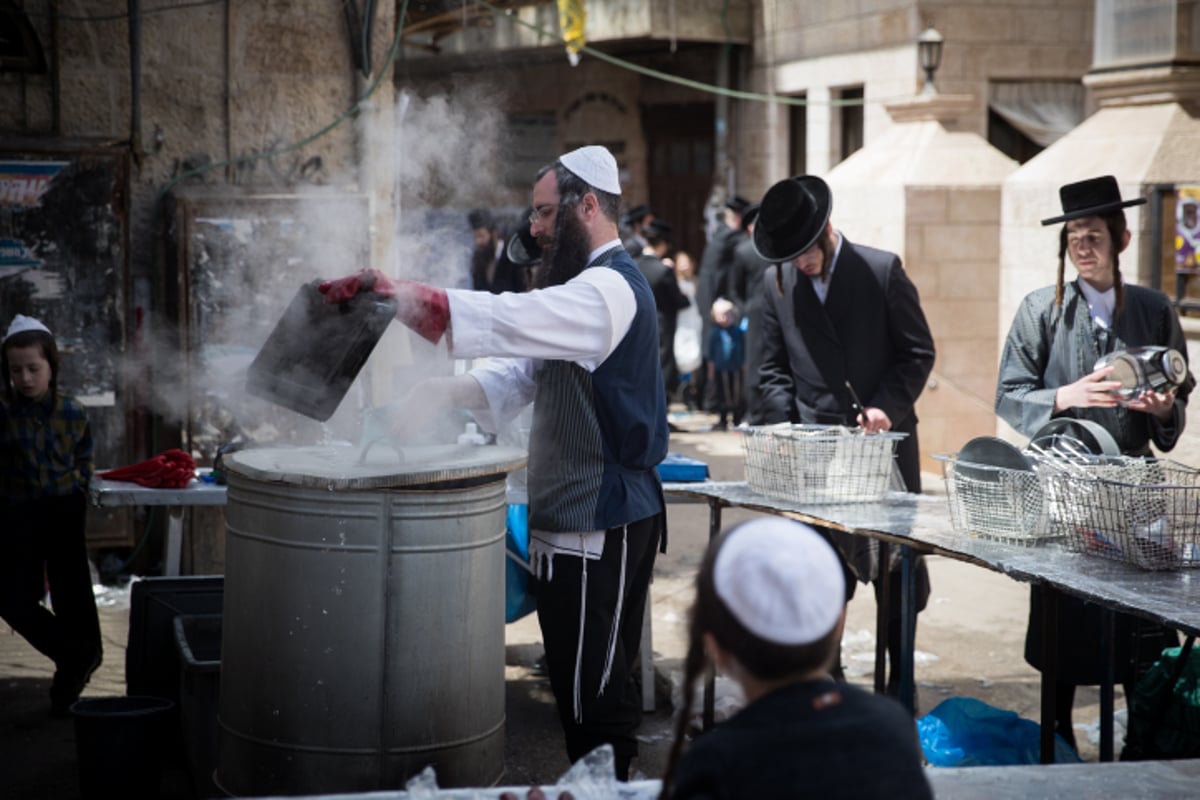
135,80
721,123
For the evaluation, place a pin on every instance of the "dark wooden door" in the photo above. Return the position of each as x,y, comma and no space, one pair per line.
680,142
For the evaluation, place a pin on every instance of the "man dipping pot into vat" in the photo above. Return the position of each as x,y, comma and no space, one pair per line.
584,344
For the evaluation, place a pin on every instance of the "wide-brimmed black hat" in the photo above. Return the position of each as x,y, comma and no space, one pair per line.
522,249
1090,198
737,204
636,214
749,215
657,229
791,217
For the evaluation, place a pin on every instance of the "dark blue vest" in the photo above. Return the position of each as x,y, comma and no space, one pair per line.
597,436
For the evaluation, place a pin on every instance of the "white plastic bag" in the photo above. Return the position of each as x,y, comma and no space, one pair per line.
687,340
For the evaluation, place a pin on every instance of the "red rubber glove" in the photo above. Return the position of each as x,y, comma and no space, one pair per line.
340,290
422,307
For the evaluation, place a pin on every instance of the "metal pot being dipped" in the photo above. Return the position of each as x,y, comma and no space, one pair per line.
363,634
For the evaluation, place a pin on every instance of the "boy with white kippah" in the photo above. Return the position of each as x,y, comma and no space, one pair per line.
45,467
769,613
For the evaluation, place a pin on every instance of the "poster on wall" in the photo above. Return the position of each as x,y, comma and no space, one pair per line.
22,184
1187,227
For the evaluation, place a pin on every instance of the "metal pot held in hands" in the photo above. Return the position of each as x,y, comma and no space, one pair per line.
1145,369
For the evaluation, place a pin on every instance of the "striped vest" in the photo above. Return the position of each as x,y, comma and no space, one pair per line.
597,436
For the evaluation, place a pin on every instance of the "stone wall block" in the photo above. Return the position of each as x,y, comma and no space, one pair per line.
183,42
961,241
94,103
923,205
969,205
971,279
84,44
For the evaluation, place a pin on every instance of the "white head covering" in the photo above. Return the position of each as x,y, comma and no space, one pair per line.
781,580
22,323
595,166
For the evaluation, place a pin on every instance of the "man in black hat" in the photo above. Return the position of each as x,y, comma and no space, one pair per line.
668,297
491,270
712,281
746,293
634,221
842,325
1047,371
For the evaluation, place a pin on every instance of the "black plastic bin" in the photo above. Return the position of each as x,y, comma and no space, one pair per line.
198,640
118,741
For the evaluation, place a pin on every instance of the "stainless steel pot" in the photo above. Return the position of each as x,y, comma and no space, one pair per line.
1144,369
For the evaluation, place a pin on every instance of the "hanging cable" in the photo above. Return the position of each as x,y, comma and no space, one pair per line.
688,82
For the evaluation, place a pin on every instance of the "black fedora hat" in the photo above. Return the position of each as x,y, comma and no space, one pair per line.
657,229
791,217
1093,197
636,214
749,215
737,204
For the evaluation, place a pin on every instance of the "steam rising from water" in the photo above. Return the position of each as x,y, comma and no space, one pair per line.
248,260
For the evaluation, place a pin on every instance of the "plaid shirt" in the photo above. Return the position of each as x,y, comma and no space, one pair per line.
45,448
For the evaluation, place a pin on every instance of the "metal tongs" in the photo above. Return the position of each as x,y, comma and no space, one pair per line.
856,404
1065,453
376,428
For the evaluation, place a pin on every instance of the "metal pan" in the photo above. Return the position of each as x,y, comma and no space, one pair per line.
982,458
1069,436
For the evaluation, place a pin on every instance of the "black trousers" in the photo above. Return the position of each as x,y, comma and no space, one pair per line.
44,541
612,715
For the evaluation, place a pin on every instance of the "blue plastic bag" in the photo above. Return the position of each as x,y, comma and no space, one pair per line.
518,600
965,732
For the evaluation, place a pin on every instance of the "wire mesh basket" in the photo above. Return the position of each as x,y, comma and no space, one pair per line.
815,464
1142,511
996,502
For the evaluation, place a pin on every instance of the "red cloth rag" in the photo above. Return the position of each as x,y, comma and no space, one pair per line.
170,469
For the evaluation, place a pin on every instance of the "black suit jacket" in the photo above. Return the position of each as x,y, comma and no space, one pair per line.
870,331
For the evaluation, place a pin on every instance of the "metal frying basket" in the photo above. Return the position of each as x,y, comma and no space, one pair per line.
995,502
1142,511
815,464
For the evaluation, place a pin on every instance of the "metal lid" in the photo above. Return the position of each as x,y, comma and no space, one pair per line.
335,467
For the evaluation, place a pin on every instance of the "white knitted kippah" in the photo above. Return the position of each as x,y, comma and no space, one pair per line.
781,580
595,166
22,323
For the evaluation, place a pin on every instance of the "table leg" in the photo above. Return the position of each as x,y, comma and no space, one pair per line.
710,675
908,627
1108,645
647,661
174,541
1049,671
883,618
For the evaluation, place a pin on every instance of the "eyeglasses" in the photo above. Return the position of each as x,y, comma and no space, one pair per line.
542,214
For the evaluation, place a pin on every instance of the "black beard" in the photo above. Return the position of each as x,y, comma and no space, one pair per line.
566,256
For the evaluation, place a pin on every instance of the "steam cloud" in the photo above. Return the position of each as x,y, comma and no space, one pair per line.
446,154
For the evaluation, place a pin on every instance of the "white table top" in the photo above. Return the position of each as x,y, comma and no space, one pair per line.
106,493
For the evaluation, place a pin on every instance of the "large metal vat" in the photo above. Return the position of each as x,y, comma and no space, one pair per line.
363,632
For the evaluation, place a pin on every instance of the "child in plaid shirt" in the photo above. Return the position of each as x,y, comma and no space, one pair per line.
45,467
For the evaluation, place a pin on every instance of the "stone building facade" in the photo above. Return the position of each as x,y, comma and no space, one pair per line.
208,106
